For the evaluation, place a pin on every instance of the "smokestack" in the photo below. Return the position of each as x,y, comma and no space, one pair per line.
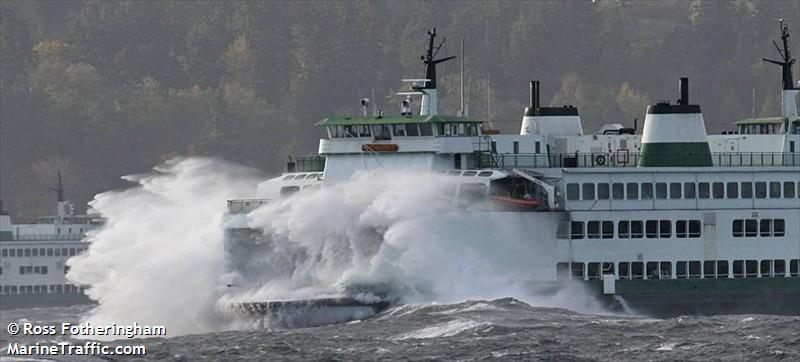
535,96
684,86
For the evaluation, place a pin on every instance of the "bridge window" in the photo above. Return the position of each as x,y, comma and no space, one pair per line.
647,191
399,130
719,190
689,190
602,191
761,190
733,190
675,190
618,191
588,191
425,129
788,189
633,191
412,130
774,190
703,190
661,190
573,191
747,190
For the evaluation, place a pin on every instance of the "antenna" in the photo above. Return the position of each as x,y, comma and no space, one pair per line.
786,57
60,189
753,111
461,111
489,102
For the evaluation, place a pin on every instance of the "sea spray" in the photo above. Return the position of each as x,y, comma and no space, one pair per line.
158,258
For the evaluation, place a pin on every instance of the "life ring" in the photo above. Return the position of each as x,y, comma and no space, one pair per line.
600,160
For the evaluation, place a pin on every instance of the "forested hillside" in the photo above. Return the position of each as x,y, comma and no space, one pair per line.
101,89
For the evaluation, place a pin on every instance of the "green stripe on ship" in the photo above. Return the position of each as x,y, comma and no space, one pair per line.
676,154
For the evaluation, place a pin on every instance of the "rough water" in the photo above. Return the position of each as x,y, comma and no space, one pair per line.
502,329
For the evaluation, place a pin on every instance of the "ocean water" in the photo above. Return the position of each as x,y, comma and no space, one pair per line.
501,329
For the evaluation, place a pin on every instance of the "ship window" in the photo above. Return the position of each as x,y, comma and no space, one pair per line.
747,190
593,230
469,173
688,190
577,270
675,190
576,230
779,228
703,190
647,191
588,191
722,268
425,129
637,270
289,190
761,190
44,269
617,191
681,230
562,271
694,228
37,270
300,176
19,252
608,268
764,227
651,227
633,191
774,190
665,228
538,147
661,190
788,189
750,228
766,268
572,191
399,130
666,270
636,229
4,253
71,251
602,191
22,270
608,229
412,130
624,270
652,270
593,271
738,228
794,267
719,190
12,252
709,269
27,252
29,270
733,190
750,269
485,174
738,268
472,192
779,267
41,252
623,229
681,270
35,252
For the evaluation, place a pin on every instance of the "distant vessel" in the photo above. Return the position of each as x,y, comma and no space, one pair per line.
667,222
33,256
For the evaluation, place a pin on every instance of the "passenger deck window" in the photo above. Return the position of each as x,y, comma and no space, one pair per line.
766,268
577,270
747,190
576,230
412,130
761,190
661,190
665,229
637,270
637,229
794,268
588,191
624,270
788,190
689,190
425,129
593,271
647,191
703,190
779,229
750,228
722,268
750,269
709,269
602,191
733,190
764,227
651,227
675,190
738,228
633,191
623,229
779,267
718,189
694,228
608,229
694,270
738,268
681,229
573,191
618,191
593,230
774,190
681,270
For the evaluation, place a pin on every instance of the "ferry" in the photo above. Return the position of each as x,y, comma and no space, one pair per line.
670,221
33,257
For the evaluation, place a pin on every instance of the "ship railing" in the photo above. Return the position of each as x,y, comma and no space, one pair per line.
243,206
48,237
625,159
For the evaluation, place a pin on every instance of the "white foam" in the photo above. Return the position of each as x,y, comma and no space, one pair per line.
447,329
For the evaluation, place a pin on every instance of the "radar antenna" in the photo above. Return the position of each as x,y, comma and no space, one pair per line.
786,57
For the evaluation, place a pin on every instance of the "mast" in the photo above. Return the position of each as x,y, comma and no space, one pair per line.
461,111
428,87
789,91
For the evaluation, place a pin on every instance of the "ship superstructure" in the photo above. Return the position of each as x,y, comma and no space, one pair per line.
669,221
33,256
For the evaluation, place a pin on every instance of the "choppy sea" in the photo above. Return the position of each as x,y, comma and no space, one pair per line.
503,329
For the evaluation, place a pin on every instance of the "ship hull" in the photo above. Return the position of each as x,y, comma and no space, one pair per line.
20,301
